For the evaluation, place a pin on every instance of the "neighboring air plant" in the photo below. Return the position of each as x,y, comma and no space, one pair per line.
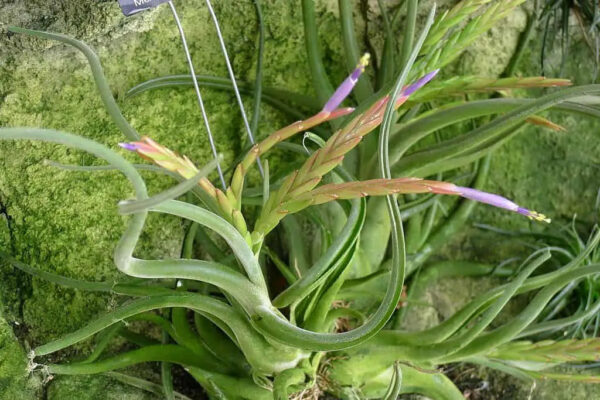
555,18
578,300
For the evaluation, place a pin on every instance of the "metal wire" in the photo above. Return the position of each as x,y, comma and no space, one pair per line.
198,95
233,81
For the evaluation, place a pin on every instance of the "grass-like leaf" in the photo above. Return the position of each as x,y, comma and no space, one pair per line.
103,88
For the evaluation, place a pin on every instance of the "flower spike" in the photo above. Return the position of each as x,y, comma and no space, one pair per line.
381,187
221,201
346,87
169,160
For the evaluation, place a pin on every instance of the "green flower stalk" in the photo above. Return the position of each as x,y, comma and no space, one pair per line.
550,351
298,190
326,159
383,187
169,160
459,85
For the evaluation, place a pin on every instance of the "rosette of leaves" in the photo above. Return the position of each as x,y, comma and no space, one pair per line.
229,322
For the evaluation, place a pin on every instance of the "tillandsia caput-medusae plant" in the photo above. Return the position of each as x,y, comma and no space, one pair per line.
238,334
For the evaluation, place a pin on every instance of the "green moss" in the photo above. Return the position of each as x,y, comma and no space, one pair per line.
14,380
66,222
94,387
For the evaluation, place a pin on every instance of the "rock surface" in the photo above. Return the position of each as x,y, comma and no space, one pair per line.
15,382
66,222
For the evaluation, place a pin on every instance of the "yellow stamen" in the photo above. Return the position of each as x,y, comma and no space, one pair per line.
364,60
533,215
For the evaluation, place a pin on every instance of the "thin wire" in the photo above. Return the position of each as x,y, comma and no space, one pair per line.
233,81
198,95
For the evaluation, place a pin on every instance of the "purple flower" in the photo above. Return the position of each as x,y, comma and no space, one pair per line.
129,146
499,201
410,89
420,83
144,147
346,87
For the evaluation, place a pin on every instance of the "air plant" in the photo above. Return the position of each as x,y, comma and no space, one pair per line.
579,299
555,18
241,338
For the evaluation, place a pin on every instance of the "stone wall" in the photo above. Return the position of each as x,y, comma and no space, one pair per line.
66,222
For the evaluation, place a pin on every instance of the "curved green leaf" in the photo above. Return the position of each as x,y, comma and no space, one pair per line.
97,72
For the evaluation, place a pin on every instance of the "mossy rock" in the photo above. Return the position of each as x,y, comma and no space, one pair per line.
15,381
66,222
94,387
483,384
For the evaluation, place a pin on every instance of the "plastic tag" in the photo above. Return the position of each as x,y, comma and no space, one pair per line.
130,7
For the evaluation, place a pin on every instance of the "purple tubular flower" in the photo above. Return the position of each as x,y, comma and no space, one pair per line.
420,83
346,87
129,146
487,198
499,201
